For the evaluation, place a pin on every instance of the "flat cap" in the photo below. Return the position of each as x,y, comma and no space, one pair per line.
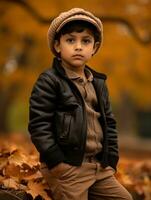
68,16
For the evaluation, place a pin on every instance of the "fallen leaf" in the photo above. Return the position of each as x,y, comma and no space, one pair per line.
35,189
11,183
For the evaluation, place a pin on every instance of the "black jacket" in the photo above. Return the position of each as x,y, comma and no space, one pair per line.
58,124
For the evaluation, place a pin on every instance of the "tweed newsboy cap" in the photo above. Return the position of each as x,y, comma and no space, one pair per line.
68,16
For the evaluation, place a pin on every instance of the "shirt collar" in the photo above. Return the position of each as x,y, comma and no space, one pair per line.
73,75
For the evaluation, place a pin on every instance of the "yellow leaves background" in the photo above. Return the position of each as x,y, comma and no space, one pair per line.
124,57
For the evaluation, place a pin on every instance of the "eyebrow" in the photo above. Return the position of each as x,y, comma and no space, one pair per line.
85,36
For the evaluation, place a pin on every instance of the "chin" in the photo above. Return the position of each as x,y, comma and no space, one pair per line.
74,65
78,63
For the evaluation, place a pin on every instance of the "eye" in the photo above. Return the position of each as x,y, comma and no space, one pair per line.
86,41
70,40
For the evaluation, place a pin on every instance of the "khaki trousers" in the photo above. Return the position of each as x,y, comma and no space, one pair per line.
86,182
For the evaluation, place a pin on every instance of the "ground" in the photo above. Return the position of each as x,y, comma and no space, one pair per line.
19,169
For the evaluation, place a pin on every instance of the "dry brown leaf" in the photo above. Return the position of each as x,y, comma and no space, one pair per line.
37,189
23,160
6,147
12,171
19,172
17,158
36,175
11,183
3,162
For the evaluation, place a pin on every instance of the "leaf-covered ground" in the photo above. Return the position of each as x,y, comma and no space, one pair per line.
19,170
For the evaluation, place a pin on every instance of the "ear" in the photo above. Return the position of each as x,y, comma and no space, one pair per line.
57,46
96,46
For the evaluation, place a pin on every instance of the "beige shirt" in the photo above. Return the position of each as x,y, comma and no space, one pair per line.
94,130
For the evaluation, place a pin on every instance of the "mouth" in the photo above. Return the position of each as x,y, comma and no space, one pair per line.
77,56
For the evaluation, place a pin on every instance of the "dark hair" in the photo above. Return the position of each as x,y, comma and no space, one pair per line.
78,26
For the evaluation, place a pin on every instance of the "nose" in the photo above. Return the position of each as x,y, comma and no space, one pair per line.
78,46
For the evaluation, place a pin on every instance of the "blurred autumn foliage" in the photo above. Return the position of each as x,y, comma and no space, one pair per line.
125,56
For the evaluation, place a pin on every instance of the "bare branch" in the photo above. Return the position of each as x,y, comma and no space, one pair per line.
130,27
30,10
105,19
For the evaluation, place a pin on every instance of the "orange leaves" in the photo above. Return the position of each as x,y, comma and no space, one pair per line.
19,170
10,183
19,167
136,176
38,188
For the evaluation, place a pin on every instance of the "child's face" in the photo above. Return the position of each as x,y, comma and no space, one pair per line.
76,48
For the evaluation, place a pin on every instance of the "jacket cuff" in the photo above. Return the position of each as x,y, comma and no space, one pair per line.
52,156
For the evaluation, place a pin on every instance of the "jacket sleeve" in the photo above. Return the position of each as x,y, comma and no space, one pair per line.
41,115
112,138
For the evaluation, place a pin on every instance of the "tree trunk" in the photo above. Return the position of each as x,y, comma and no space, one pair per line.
6,99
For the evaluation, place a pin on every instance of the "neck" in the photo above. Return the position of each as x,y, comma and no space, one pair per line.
79,70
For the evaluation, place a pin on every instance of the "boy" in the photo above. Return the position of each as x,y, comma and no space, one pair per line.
71,122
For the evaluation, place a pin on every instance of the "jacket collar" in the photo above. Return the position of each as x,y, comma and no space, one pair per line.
57,65
74,76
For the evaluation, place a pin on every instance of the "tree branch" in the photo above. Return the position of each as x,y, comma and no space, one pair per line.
105,19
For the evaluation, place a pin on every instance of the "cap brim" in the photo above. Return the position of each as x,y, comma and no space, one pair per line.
79,17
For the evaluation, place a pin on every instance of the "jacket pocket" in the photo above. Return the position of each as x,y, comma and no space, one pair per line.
65,126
